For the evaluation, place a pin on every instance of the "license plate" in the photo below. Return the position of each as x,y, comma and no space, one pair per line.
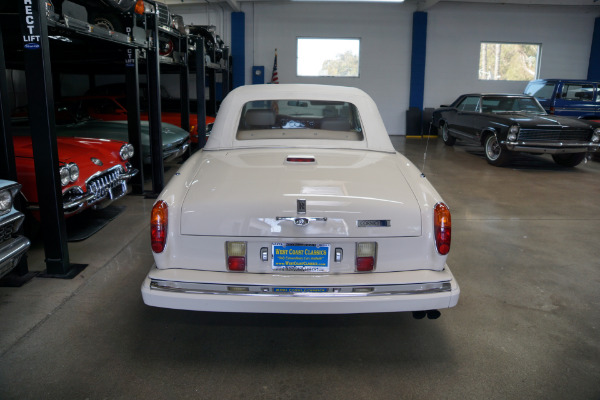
300,257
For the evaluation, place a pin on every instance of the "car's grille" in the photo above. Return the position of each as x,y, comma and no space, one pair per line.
575,135
6,232
163,14
10,228
100,184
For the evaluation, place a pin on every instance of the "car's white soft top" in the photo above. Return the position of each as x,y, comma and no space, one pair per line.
223,135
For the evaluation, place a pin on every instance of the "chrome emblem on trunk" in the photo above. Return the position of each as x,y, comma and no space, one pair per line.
301,221
97,161
301,207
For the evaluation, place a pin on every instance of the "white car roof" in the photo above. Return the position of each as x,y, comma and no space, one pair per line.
223,135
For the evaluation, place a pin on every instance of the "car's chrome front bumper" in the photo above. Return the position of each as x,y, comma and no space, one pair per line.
102,194
551,147
11,252
331,294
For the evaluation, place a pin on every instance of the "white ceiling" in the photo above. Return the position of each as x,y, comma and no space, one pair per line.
421,4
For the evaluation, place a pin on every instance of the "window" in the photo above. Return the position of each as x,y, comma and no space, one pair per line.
300,119
328,57
578,92
468,104
541,90
509,61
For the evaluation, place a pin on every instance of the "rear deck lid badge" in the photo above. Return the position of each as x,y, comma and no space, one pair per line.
301,206
373,223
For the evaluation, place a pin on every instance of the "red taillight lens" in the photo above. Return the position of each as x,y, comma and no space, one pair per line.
300,159
552,110
365,264
442,228
236,256
159,223
236,263
365,256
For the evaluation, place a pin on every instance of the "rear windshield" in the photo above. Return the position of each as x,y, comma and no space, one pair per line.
300,119
541,90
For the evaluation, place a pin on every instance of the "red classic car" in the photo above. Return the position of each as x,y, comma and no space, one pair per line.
112,108
93,172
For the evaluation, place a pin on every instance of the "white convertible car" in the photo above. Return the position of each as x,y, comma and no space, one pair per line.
299,203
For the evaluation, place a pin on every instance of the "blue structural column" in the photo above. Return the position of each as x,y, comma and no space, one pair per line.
417,64
238,50
594,65
414,115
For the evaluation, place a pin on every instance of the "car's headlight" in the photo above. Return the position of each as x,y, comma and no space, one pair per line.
6,200
596,136
64,176
513,131
68,173
126,151
73,172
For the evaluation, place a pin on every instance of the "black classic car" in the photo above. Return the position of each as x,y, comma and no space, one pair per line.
505,123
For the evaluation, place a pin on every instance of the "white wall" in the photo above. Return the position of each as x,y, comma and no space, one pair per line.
455,31
384,30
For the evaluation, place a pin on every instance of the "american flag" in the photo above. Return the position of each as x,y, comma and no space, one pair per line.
274,77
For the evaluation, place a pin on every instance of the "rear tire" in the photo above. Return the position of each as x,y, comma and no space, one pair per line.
445,134
494,153
568,160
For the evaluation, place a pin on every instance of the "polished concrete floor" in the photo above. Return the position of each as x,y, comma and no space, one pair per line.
527,326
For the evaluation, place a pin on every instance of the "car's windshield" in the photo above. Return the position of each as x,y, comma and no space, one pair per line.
504,104
300,119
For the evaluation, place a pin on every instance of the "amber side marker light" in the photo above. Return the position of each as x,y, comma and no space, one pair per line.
159,222
140,7
442,225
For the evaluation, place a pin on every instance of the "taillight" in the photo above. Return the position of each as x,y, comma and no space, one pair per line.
159,223
442,225
552,110
236,256
365,256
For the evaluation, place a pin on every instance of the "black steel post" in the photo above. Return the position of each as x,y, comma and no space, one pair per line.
184,81
133,116
41,116
225,74
200,92
211,105
154,109
8,168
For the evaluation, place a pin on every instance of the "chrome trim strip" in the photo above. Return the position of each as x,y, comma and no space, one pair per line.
271,291
551,147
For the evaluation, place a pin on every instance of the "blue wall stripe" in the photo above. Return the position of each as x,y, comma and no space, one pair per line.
417,65
594,66
238,49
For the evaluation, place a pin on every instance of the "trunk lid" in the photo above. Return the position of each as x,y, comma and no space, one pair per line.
243,192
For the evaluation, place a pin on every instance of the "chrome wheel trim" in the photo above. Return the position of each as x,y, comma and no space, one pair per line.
445,132
492,148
